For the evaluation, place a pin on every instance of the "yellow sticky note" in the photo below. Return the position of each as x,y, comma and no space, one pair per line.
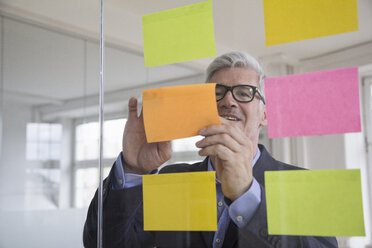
180,202
316,203
294,20
180,34
179,111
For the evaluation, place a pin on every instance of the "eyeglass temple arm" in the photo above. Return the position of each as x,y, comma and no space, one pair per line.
261,97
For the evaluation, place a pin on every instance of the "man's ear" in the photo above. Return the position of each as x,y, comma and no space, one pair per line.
263,121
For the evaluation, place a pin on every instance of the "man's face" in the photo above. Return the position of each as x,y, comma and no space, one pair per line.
249,117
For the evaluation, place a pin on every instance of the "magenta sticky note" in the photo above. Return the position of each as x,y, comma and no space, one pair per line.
317,103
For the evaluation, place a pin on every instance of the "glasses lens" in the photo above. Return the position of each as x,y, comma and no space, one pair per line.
220,92
243,93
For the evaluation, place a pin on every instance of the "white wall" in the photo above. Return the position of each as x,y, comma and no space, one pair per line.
324,152
13,176
28,218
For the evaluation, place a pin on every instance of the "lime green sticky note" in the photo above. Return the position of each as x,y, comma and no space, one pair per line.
289,20
180,34
180,202
316,203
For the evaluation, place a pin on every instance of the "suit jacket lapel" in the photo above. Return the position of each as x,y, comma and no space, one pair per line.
263,163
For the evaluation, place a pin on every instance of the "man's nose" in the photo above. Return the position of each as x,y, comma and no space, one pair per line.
228,100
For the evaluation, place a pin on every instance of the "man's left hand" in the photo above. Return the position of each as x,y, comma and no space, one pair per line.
232,153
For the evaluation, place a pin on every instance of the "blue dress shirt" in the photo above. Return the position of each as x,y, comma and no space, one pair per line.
240,211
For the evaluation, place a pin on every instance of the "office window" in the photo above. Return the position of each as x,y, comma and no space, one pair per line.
86,185
113,135
87,139
87,154
43,141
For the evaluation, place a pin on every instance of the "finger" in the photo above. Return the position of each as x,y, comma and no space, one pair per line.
132,108
220,151
223,139
234,132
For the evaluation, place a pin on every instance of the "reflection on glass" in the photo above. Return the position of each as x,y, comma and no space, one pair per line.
42,188
87,139
370,104
43,141
86,185
112,140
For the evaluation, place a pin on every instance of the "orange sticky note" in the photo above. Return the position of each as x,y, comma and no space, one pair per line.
179,112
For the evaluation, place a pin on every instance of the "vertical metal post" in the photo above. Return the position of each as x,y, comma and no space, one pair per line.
1,83
101,92
85,78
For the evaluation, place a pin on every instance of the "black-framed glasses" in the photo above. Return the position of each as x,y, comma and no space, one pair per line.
241,93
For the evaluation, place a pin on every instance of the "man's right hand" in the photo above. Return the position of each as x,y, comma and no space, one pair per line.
139,156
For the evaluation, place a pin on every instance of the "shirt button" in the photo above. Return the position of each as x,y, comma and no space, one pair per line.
239,218
263,232
278,244
220,203
218,241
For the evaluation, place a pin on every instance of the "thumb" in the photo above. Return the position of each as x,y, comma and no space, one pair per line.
132,108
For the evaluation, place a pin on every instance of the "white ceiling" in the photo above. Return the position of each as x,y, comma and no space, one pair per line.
239,24
43,65
47,58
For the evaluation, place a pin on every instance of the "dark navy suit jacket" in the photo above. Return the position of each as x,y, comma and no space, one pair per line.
123,219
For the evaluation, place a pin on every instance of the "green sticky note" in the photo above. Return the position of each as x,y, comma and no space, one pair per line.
180,34
316,203
289,20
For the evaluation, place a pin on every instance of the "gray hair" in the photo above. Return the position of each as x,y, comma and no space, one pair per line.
236,59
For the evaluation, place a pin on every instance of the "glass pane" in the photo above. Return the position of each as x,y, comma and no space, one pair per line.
86,185
112,138
86,182
32,131
187,144
43,141
55,151
32,151
87,141
49,94
55,132
43,72
43,131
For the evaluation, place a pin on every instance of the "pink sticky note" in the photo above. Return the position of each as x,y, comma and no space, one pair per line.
317,103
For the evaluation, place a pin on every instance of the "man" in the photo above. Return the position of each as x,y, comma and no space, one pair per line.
232,150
